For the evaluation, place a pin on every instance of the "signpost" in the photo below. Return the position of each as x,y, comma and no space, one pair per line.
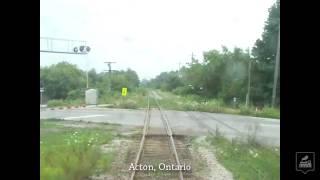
124,92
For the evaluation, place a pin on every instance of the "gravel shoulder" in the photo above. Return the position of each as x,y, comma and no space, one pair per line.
211,168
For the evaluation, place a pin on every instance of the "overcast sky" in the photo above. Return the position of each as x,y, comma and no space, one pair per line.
150,36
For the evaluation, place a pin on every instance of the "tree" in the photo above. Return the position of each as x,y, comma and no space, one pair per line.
93,78
120,79
220,75
264,53
61,78
66,81
144,83
224,74
132,78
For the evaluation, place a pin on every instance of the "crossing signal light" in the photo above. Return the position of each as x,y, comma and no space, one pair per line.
82,49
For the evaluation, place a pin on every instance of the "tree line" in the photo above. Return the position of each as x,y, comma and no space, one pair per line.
224,74
66,81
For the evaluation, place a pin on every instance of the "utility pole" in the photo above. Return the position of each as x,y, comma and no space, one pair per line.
87,73
249,83
87,80
109,65
276,72
179,72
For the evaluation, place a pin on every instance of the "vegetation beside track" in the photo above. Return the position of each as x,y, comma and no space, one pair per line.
73,152
245,160
196,103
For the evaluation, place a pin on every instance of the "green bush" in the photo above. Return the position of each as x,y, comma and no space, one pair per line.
265,112
59,102
193,97
170,103
75,102
56,103
107,99
128,104
189,106
141,91
214,105
245,110
75,94
51,173
245,161
182,90
73,153
269,112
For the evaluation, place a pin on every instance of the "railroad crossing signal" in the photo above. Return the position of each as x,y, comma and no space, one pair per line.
124,91
63,46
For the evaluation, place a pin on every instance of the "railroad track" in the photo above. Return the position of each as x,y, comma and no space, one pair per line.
162,150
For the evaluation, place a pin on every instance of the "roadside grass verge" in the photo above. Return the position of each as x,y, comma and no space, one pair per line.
60,102
133,100
246,160
267,112
196,103
137,98
72,153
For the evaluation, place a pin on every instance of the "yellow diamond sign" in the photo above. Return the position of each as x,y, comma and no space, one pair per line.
124,91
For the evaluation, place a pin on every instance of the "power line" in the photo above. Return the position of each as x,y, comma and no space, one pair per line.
249,82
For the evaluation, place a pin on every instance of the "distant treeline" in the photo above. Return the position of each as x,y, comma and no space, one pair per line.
67,81
224,74
221,75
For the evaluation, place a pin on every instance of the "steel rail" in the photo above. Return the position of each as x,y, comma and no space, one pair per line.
145,131
169,132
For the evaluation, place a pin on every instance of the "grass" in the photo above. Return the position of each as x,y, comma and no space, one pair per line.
138,99
265,112
72,153
56,103
246,160
134,99
268,112
60,102
196,103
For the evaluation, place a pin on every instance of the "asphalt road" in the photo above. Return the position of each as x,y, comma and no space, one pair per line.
182,122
